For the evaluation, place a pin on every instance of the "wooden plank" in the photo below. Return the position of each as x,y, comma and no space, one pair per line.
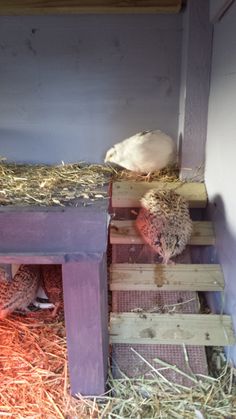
47,258
150,277
189,329
25,7
194,89
128,194
66,230
86,317
124,232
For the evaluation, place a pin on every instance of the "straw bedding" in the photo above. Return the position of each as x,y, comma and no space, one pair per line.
34,381
64,185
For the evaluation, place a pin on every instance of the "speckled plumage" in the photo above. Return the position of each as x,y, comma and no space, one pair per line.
164,222
52,285
21,291
144,152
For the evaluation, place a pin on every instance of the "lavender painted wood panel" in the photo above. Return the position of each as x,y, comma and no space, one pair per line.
71,86
86,317
46,258
67,230
196,65
220,163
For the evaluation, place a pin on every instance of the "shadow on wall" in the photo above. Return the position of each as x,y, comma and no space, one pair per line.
225,254
29,145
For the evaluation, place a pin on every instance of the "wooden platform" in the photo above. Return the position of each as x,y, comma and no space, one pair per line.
76,238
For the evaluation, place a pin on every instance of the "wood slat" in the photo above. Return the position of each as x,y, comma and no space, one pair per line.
127,194
150,277
24,7
124,232
47,258
189,329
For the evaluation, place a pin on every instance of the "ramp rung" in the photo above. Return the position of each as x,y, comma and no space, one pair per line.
189,329
151,277
124,232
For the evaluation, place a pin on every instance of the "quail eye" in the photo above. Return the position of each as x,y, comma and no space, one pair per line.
158,241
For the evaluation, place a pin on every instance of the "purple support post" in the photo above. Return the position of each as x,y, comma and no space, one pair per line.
194,89
86,317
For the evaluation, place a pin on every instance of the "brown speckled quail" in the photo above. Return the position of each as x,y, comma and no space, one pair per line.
52,285
21,291
164,222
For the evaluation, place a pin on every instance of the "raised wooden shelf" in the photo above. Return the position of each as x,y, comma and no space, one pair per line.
189,329
45,7
124,232
151,277
127,194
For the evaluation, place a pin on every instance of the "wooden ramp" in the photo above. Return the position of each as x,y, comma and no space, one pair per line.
138,287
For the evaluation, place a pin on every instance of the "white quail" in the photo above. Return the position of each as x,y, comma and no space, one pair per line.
144,152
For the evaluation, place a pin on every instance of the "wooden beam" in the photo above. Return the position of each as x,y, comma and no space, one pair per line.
194,88
151,277
86,317
189,329
46,7
128,194
47,258
124,232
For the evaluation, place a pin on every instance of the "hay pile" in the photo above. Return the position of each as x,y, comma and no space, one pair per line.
33,369
64,185
168,174
34,382
42,185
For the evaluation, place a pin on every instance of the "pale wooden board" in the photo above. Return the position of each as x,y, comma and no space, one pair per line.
25,7
189,329
128,194
151,277
124,232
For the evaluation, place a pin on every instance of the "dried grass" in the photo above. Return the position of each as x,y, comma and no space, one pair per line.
41,185
168,174
33,369
64,185
34,381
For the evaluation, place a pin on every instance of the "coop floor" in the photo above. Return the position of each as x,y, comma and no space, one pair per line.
35,383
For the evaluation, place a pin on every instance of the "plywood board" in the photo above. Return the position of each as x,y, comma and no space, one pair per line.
151,277
189,329
24,7
124,232
128,194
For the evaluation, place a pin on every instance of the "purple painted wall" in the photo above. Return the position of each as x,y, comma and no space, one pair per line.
221,155
71,86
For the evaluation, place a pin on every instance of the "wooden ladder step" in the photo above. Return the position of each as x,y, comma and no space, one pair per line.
172,329
151,277
124,232
127,194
